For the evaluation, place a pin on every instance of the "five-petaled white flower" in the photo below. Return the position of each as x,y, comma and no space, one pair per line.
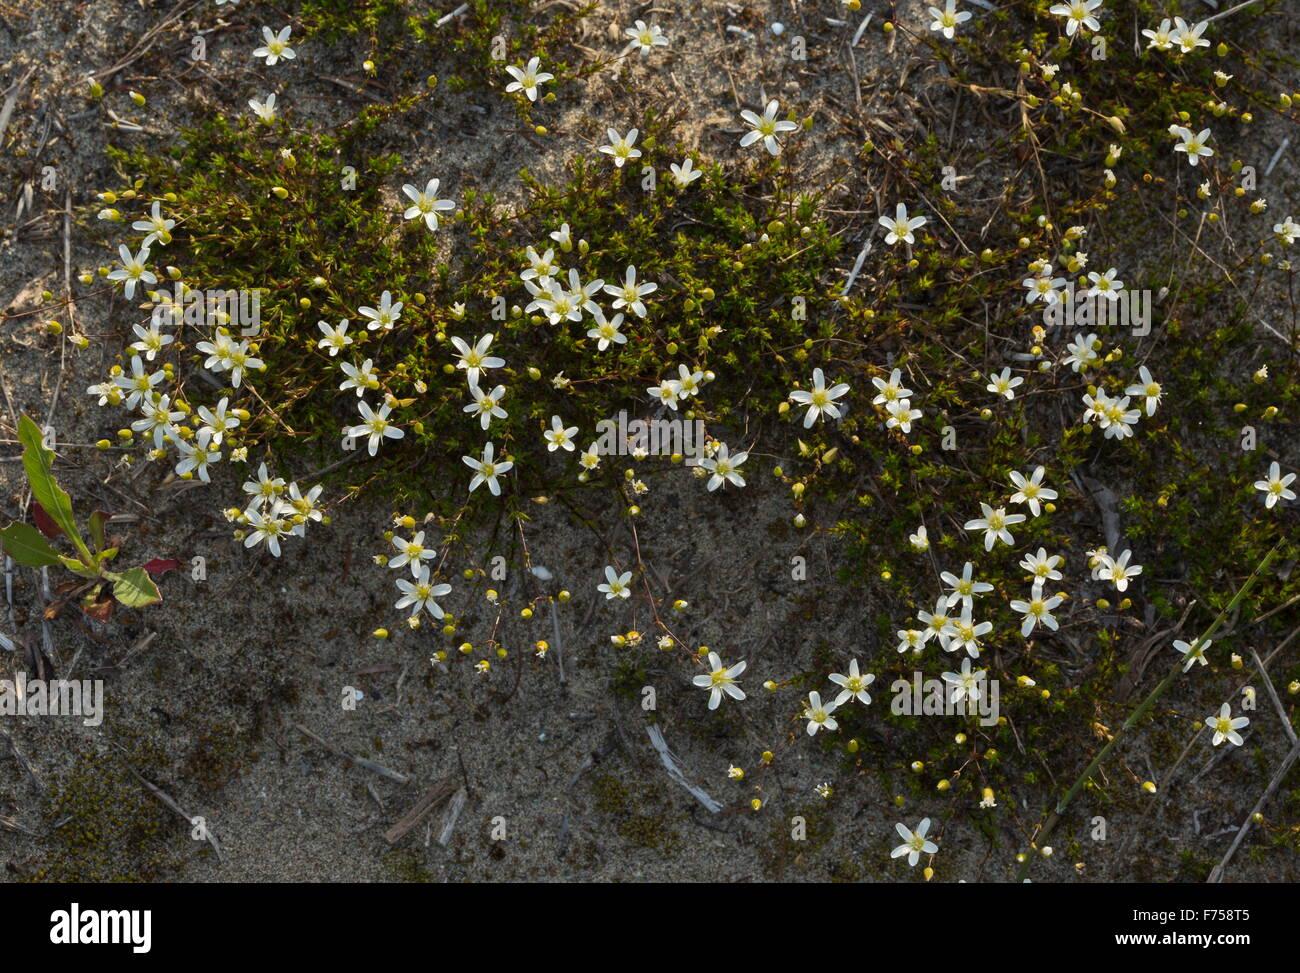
487,469
1275,488
819,399
946,20
1037,610
724,467
621,148
616,585
419,595
994,523
915,844
476,360
527,78
766,128
645,38
852,686
1077,13
721,679
425,203
1194,145
1004,384
1225,727
900,227
275,47
384,316
133,270
818,714
1193,652
374,426
1031,490
558,437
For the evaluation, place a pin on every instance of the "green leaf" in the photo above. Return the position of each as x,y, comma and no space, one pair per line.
39,462
78,568
135,589
24,544
97,521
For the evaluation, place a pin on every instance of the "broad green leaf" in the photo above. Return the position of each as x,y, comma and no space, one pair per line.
39,462
24,544
135,589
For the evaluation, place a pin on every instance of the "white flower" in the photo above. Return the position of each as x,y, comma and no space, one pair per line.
644,38
158,419
485,404
425,203
1159,39
1275,487
911,638
1077,13
1037,610
476,359
616,585
1042,567
1117,570
890,391
901,415
994,523
724,467
965,684
265,110
629,294
276,47
820,400
411,552
527,78
336,339
486,470
1043,286
1105,285
900,227
684,174
914,843
920,541
218,420
766,128
133,270
720,679
607,332
621,147
1004,384
852,686
385,316
1193,652
667,392
558,437
374,426
1030,491
1082,352
362,379
1193,145
1147,388
158,228
937,625
966,634
268,528
138,383
965,588
946,20
1187,38
818,714
151,340
420,595
196,454
1225,727
265,490
1287,231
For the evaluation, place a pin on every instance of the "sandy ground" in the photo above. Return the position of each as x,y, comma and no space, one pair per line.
209,696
